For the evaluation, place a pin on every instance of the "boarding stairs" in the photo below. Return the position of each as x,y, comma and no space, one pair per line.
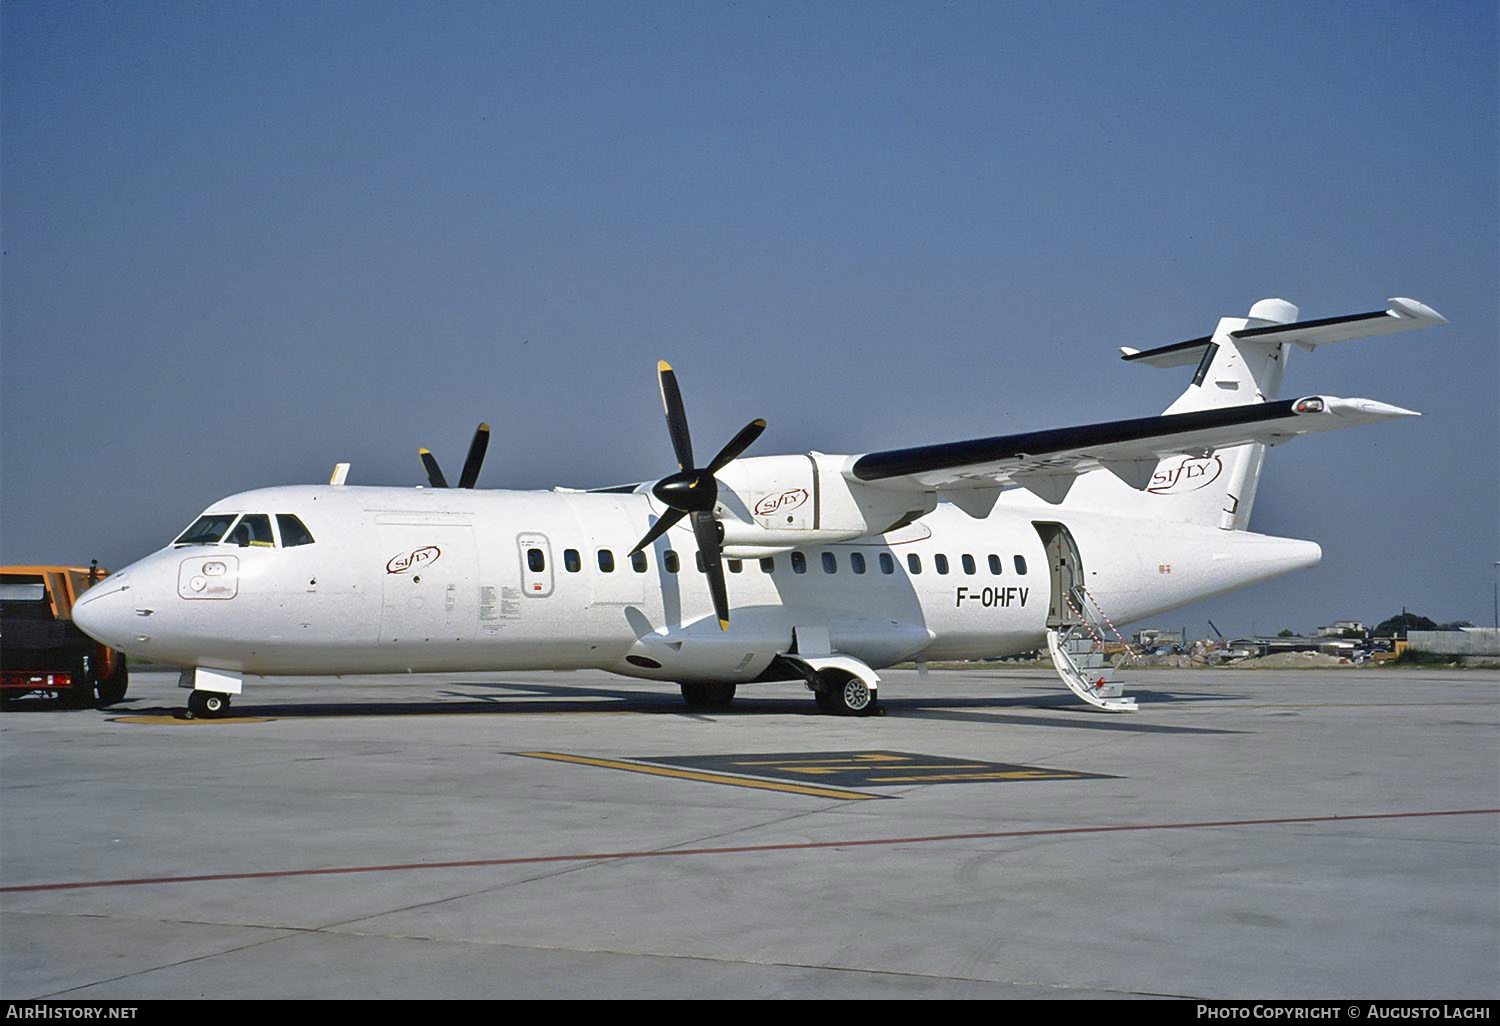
1079,655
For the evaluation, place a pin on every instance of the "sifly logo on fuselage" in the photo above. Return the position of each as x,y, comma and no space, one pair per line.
1187,475
408,561
780,502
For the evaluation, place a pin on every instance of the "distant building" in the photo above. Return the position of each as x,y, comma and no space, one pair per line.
1474,642
1338,627
1325,644
1154,637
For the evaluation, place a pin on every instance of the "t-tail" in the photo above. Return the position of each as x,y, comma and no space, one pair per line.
1242,363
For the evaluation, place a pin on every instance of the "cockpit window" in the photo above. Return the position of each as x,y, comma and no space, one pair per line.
292,531
207,530
253,529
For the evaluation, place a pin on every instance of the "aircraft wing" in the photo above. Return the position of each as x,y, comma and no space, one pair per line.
1044,460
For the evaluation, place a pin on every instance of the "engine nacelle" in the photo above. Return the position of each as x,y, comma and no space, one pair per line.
776,503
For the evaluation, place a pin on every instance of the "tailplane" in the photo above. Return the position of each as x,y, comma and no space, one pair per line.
1242,363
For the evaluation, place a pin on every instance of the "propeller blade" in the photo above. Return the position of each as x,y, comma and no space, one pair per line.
434,475
738,444
477,447
671,401
661,527
706,530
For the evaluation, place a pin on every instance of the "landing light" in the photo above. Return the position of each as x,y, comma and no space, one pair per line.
1313,405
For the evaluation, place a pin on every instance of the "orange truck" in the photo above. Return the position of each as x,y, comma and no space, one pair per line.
42,652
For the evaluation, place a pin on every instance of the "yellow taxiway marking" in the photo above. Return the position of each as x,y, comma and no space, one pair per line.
792,767
707,778
935,778
842,760
183,721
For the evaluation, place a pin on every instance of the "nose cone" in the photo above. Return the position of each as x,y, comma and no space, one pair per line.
104,612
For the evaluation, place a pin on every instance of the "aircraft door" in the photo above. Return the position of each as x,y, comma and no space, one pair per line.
535,553
1064,571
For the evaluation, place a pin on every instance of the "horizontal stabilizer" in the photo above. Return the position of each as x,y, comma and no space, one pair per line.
1399,315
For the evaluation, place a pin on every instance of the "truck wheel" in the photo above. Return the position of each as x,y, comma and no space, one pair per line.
113,690
80,695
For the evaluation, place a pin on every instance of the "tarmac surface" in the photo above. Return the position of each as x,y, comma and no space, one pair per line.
1246,834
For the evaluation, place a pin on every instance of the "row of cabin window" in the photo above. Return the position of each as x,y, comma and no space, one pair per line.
573,562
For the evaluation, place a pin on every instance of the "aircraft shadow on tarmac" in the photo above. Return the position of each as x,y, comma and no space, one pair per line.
480,698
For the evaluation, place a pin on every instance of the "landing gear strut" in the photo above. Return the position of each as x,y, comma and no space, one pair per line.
209,705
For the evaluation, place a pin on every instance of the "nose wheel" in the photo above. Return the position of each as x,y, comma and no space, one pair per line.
209,705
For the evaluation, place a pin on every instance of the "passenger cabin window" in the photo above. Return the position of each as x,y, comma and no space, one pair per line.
994,564
768,565
914,562
670,561
293,533
638,562
1020,564
799,563
535,560
968,562
606,561
857,562
941,562
206,530
830,563
735,566
572,562
887,564
253,529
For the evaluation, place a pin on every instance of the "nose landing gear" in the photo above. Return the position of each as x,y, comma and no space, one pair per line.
209,705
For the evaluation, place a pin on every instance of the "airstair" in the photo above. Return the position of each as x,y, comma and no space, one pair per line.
1080,656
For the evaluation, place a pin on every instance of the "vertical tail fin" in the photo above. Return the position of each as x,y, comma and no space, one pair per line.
1236,372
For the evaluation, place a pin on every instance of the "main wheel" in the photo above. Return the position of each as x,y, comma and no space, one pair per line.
846,696
707,696
208,704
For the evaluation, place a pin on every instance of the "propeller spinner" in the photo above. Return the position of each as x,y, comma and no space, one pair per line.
693,491
472,463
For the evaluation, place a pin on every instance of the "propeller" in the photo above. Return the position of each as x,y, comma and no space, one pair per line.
693,491
472,463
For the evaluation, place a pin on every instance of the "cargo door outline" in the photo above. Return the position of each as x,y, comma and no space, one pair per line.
428,598
535,583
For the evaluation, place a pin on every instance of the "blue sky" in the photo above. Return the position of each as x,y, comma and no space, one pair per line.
243,241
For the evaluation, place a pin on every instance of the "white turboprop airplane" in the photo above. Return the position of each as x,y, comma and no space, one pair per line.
836,566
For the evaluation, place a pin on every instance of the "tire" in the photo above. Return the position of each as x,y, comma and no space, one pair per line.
113,689
707,696
210,705
846,695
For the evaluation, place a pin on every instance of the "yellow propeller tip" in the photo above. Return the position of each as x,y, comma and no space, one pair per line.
760,422
723,625
663,365
424,452
485,427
